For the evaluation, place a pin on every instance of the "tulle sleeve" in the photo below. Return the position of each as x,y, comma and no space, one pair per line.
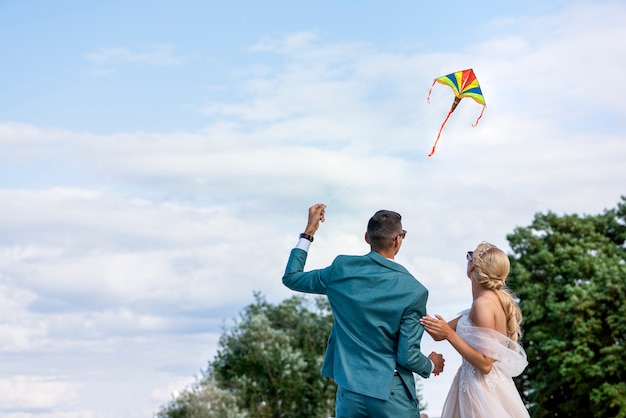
509,355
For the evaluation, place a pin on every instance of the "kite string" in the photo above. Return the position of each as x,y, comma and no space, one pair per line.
393,144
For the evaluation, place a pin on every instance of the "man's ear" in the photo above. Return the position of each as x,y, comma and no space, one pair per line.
397,242
367,238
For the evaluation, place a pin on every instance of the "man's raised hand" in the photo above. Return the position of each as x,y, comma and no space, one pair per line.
316,215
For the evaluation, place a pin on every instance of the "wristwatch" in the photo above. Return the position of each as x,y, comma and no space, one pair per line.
306,236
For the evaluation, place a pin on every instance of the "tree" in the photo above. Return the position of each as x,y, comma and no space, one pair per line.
569,273
271,360
267,365
203,399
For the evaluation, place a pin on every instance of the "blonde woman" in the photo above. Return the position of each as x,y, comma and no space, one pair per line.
486,336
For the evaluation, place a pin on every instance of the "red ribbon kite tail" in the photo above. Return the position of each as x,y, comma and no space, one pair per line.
456,102
430,91
479,116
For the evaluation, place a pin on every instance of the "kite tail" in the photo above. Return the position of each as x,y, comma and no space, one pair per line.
432,151
456,102
429,91
480,116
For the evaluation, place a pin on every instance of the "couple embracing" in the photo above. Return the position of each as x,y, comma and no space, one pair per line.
379,312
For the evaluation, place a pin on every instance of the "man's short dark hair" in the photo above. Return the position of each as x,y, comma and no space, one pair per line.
383,227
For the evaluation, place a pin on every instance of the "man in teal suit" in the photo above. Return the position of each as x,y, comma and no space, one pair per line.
374,345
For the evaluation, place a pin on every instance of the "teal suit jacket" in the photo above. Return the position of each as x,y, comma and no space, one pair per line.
377,305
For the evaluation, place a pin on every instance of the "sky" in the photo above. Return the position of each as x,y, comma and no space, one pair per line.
157,161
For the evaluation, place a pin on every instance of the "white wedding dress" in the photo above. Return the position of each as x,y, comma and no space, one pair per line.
494,395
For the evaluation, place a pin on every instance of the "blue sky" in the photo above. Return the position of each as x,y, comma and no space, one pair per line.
151,65
157,160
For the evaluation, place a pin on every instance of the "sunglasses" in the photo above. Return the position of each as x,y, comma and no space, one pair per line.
469,255
402,234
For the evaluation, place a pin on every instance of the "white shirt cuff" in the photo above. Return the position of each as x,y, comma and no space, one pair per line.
303,244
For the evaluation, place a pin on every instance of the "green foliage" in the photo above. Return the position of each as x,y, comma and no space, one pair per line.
267,365
271,360
569,273
204,399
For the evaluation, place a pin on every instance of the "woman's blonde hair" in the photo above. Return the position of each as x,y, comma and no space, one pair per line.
491,268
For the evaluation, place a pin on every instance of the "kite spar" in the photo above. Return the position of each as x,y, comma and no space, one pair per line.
464,84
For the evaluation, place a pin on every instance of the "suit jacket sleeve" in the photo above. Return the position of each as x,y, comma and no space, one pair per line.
409,354
314,281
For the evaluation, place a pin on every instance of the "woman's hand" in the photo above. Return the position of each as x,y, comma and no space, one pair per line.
437,327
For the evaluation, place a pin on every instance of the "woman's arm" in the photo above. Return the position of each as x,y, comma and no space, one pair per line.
440,330
452,323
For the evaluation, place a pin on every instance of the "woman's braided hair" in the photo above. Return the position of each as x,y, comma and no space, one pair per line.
491,268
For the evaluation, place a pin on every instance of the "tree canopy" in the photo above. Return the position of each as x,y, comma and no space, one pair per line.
267,365
569,273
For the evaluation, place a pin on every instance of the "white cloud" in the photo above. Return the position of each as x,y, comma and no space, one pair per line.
289,43
154,55
37,392
108,60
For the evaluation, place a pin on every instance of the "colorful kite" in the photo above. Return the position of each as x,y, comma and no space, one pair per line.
464,84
